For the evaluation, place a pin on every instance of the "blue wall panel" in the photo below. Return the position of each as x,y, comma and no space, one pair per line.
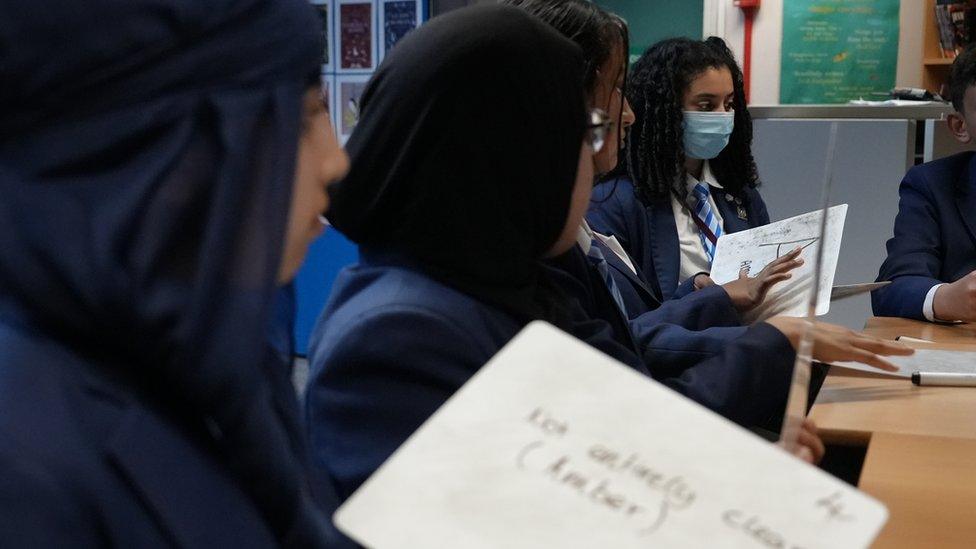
326,257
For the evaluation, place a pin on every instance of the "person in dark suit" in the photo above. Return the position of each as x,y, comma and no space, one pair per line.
146,172
931,259
688,175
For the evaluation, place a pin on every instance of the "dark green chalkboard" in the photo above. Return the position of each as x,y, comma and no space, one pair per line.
653,20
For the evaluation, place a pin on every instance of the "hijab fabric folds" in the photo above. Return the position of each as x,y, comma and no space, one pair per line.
147,152
465,154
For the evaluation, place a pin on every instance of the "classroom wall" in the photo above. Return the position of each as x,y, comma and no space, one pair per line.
725,20
649,20
654,20
870,159
438,7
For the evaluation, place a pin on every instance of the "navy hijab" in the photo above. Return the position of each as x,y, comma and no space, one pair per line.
464,159
147,152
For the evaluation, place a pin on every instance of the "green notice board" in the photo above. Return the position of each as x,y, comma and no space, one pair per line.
838,50
654,20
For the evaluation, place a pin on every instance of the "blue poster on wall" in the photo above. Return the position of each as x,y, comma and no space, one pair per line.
399,18
328,255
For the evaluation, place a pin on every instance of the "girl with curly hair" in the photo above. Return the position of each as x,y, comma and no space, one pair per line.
688,174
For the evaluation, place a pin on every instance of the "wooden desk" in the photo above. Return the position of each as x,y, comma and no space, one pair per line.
921,441
890,328
850,408
852,405
929,486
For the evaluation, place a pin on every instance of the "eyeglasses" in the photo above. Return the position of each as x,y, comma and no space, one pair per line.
598,128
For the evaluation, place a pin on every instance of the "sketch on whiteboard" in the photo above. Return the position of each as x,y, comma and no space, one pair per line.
786,247
753,249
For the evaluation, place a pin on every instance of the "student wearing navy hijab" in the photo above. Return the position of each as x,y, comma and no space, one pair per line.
149,151
931,259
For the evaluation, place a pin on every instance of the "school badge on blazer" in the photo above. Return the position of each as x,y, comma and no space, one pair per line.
740,209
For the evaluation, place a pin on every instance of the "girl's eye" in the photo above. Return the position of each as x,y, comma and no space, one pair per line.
705,106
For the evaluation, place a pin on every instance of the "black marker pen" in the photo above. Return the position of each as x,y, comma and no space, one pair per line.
944,379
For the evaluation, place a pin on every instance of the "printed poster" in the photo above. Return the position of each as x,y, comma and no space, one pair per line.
348,91
838,50
399,18
325,18
356,36
328,93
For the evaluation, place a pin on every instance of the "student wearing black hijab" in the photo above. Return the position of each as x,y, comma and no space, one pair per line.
458,126
149,151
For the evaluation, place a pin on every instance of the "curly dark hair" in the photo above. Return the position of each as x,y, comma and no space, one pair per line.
655,156
961,76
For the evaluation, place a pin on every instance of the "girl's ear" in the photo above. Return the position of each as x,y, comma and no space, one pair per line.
957,125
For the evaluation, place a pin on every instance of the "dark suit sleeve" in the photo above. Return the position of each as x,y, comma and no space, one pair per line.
740,373
613,213
762,214
37,511
707,308
686,288
671,349
683,332
747,381
914,253
379,380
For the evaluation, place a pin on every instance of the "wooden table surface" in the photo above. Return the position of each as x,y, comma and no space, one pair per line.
929,486
921,441
891,328
852,404
849,409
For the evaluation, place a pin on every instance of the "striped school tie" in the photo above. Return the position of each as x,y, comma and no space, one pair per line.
709,228
600,262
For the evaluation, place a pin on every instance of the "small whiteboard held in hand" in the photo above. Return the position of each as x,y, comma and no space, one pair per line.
755,248
553,444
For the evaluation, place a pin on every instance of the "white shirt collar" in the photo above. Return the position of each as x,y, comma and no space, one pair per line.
707,177
584,237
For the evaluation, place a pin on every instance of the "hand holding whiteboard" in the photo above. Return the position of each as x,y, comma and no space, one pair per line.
553,444
755,248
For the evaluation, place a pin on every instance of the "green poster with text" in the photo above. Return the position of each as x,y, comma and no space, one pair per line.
838,50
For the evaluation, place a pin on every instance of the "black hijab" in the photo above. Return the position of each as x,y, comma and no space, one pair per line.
465,155
147,152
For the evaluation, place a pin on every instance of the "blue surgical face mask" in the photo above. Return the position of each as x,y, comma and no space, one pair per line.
707,133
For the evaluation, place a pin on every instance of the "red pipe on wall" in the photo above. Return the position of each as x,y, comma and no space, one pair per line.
749,9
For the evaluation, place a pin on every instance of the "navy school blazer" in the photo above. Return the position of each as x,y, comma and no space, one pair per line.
934,237
393,344
84,462
649,233
682,334
668,337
